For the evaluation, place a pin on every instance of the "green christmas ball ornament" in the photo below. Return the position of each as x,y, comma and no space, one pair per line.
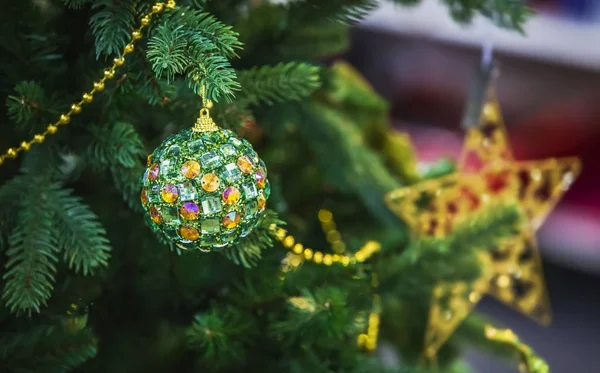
204,189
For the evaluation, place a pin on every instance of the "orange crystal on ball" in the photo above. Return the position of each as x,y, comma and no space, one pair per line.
231,195
190,169
210,182
189,233
144,197
262,202
169,193
231,219
155,215
244,164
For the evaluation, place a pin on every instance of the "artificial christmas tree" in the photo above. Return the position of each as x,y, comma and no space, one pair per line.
87,285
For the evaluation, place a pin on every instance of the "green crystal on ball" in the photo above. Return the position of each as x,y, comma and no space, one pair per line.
246,228
227,150
153,194
145,181
249,190
187,191
171,233
212,225
209,240
251,208
217,152
170,214
212,138
231,173
173,151
235,141
210,160
229,236
211,205
267,189
168,169
196,146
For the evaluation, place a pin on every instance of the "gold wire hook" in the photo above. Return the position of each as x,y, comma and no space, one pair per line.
205,102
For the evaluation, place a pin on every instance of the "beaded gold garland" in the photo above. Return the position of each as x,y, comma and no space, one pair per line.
98,86
299,254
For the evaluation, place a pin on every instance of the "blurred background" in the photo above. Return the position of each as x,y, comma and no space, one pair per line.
549,90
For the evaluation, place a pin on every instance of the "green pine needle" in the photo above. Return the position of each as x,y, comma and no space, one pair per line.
115,144
283,82
111,25
322,317
249,251
33,250
27,102
49,221
351,166
219,334
118,148
76,4
127,180
10,192
46,348
82,236
196,45
508,14
428,261
167,52
342,11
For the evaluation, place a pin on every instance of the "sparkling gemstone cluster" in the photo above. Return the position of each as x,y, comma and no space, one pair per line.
204,190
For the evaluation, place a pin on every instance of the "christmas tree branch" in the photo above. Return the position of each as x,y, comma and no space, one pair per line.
508,14
46,349
310,315
282,82
311,12
350,166
82,237
118,148
114,144
111,25
33,250
49,221
198,45
249,251
219,335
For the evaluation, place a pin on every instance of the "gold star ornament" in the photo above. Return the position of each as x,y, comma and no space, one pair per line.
488,175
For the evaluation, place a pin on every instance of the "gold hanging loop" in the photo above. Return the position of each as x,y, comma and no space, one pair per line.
205,123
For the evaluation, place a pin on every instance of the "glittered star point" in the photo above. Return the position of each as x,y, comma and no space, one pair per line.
488,173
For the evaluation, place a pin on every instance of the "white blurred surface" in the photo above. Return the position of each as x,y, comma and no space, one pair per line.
559,40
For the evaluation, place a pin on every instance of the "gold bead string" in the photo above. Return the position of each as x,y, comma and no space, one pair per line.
98,86
299,254
333,236
302,254
368,340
